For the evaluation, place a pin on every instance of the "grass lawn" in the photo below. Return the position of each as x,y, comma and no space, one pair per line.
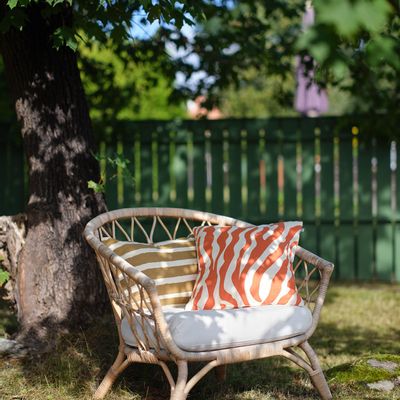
358,322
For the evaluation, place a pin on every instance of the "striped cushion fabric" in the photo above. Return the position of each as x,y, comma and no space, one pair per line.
241,267
172,264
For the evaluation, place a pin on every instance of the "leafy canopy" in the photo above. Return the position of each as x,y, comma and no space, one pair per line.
102,19
356,43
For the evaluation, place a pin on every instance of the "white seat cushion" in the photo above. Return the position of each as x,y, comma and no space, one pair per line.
206,330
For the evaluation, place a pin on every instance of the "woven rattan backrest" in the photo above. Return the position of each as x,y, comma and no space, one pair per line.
127,289
156,224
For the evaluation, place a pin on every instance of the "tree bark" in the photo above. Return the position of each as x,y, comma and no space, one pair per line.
58,282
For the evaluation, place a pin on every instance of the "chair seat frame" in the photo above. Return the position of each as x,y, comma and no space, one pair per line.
159,347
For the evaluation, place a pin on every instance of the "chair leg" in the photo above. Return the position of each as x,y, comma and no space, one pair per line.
320,384
111,376
178,391
317,376
220,373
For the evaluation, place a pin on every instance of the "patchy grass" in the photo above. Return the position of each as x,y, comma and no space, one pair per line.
360,371
359,322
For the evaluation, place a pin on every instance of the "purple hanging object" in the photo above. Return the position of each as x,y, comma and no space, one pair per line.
310,99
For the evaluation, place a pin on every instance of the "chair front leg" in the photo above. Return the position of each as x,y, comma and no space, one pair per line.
317,376
120,363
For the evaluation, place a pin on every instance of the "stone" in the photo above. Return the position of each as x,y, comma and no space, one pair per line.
383,386
7,345
386,365
11,348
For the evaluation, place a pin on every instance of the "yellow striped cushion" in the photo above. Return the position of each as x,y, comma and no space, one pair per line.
172,264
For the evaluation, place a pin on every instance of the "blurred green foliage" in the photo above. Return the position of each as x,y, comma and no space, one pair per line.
236,50
123,86
116,87
259,95
357,47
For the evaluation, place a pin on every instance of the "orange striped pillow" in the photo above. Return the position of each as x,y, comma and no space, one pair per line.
241,267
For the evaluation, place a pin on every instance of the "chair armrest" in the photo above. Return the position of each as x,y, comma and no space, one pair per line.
150,312
105,255
313,259
325,269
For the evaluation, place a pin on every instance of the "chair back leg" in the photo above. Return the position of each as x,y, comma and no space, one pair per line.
119,365
220,373
178,391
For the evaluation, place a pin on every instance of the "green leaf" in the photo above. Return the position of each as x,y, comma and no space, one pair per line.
64,36
4,277
72,43
97,156
12,3
55,2
97,187
121,162
93,30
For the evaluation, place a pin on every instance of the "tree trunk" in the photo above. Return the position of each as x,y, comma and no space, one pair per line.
58,281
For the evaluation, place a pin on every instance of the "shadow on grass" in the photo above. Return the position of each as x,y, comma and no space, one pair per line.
80,361
77,365
331,340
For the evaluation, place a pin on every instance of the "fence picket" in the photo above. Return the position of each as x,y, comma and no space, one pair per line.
179,167
327,197
111,175
289,152
270,158
345,229
217,170
199,170
145,184
308,238
395,201
384,231
235,172
365,211
164,183
253,171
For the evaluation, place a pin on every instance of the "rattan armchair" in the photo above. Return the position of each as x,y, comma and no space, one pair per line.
155,344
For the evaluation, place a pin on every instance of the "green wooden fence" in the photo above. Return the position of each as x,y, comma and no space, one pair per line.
343,184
